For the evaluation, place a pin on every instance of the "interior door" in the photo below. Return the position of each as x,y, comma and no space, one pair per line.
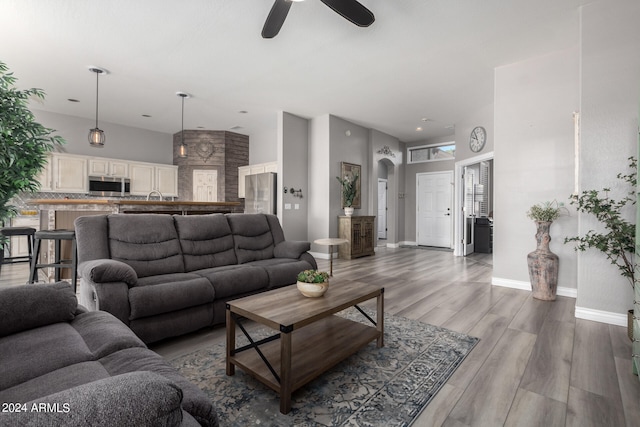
469,180
434,219
382,208
205,185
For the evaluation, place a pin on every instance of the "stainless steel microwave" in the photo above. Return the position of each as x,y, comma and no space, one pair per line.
108,186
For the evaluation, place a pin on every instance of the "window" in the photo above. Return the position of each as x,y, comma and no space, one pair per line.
431,153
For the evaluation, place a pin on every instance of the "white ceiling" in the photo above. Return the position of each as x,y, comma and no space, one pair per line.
420,59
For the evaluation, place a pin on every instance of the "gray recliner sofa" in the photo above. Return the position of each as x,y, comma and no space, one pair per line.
167,275
61,365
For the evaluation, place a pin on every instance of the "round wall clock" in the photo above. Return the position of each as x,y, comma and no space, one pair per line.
478,139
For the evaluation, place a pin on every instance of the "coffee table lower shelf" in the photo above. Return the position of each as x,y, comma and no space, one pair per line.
314,349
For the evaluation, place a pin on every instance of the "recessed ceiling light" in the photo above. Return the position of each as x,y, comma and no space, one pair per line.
242,112
418,129
73,100
424,119
146,115
200,127
236,127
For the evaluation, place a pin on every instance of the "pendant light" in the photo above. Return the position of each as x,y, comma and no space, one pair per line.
182,150
96,135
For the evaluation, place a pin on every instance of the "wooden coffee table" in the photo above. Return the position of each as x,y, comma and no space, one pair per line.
311,337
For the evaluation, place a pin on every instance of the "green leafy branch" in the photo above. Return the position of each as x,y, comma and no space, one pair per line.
617,241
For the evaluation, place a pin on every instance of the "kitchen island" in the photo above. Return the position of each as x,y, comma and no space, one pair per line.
60,213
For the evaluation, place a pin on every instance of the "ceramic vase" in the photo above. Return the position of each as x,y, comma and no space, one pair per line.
348,211
543,265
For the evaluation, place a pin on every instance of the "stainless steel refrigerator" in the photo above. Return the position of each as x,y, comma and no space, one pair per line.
260,193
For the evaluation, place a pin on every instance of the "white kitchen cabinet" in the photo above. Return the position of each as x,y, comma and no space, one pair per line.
69,173
100,166
166,180
45,176
243,171
148,177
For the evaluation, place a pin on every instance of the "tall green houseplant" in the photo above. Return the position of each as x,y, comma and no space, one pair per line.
24,143
617,240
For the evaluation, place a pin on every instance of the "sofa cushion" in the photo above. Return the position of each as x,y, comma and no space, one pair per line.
234,280
206,241
252,237
281,271
104,334
136,359
134,399
29,354
53,303
147,242
108,270
290,249
54,382
170,296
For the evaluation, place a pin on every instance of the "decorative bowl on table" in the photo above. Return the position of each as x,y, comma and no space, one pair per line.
313,283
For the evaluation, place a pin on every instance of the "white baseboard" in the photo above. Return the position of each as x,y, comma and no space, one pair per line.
407,243
526,286
322,255
601,316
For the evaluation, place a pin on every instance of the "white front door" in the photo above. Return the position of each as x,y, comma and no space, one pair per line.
205,185
434,219
382,208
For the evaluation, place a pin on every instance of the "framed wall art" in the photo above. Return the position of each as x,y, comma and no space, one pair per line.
349,171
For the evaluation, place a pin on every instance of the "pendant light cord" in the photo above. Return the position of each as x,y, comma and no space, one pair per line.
97,76
182,131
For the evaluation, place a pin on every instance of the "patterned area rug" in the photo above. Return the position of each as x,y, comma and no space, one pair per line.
386,386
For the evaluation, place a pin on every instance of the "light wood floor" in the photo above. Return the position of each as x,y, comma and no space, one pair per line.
535,364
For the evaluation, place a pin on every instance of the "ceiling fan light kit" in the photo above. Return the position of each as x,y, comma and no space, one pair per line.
351,10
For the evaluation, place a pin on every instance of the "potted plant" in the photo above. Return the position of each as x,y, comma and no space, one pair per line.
24,144
313,283
543,264
617,241
349,190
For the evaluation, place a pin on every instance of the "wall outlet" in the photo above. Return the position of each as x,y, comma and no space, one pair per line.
287,206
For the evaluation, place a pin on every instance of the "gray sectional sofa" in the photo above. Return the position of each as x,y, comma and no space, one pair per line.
61,365
165,275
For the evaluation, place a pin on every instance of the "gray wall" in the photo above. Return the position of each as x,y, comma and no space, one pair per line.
609,109
534,151
123,142
293,139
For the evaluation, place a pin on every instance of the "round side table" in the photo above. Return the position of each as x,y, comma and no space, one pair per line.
331,242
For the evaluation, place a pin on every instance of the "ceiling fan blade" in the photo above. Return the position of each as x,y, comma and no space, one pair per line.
276,18
352,10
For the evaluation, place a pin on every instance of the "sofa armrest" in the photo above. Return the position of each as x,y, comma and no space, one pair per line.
30,306
112,297
139,398
291,249
108,270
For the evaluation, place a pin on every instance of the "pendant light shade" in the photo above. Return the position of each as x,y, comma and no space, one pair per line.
96,135
182,150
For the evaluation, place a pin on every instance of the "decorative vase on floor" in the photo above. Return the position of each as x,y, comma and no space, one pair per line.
543,265
348,211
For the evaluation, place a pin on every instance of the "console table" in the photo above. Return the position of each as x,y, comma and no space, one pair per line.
359,231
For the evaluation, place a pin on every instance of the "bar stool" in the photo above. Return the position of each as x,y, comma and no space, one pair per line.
13,232
57,236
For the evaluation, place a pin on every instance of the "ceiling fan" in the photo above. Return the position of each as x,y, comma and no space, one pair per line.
351,10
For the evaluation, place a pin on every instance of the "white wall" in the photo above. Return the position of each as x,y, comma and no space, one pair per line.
394,168
534,159
123,142
320,182
609,111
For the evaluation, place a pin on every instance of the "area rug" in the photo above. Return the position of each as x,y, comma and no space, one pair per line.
387,386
